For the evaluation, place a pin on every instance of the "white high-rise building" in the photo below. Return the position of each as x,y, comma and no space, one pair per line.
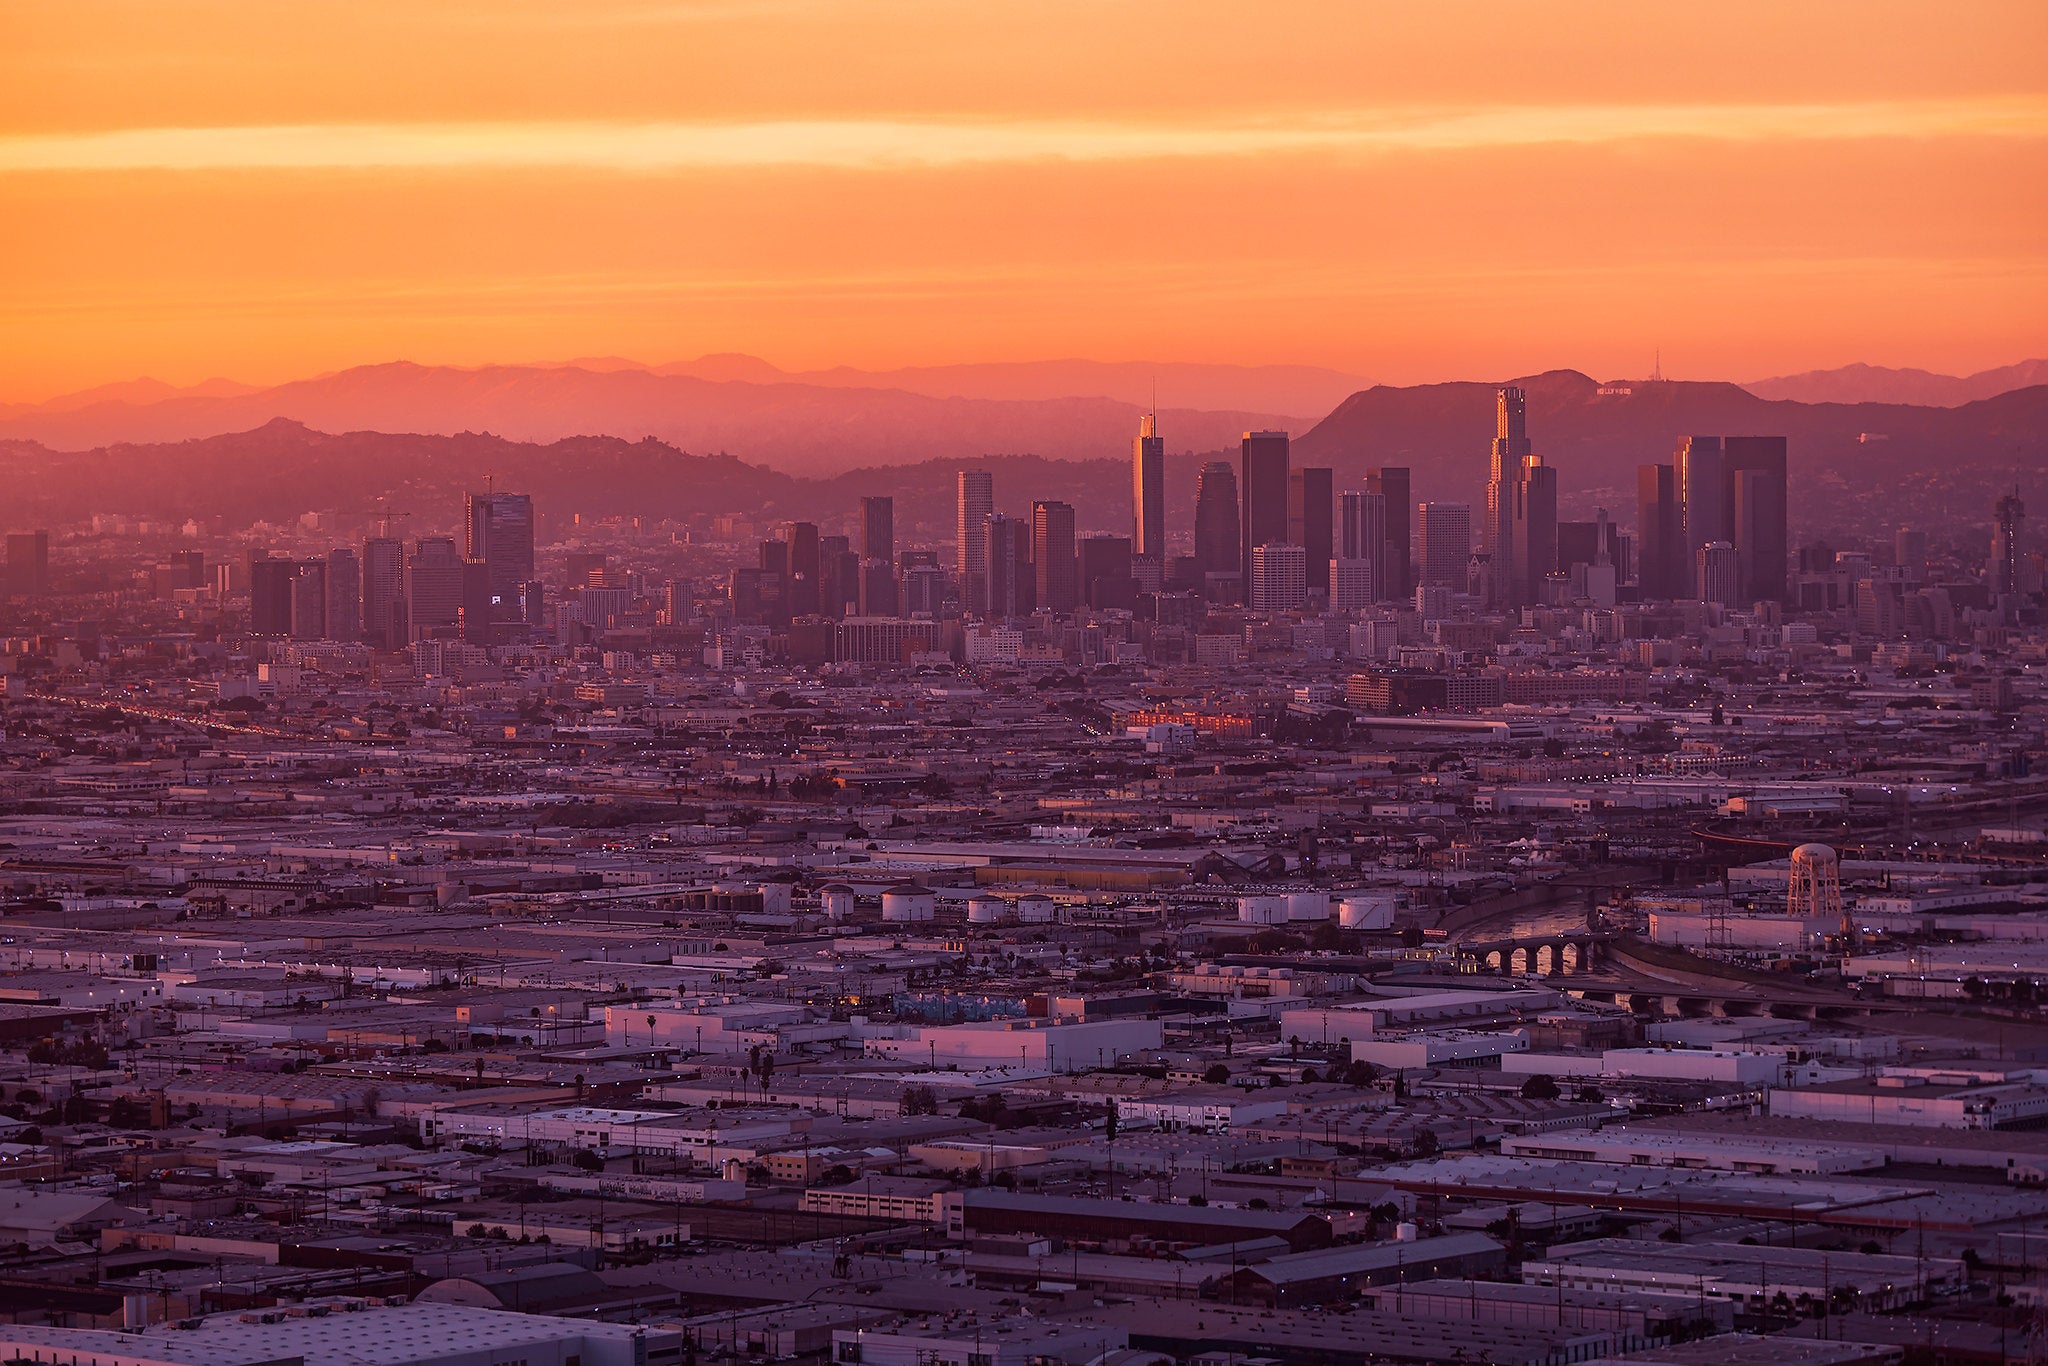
1279,577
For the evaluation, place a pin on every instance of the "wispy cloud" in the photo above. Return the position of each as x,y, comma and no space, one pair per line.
650,147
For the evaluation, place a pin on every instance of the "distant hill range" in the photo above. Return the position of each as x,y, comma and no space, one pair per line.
1860,468
815,424
1877,384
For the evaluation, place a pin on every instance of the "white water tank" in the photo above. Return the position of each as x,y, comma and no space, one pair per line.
837,899
1366,912
1037,910
1308,905
907,902
1262,910
1406,1233
986,910
774,897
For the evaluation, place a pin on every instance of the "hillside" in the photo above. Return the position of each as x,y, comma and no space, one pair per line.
810,429
1856,469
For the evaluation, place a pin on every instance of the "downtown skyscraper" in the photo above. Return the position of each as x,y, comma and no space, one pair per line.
1148,491
974,502
1733,489
1052,554
1497,533
2008,555
1217,530
1661,568
498,532
1446,544
876,594
1262,484
1394,486
1312,523
1358,579
1534,545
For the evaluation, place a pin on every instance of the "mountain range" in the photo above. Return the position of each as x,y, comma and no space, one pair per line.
1856,468
815,425
1877,384
820,423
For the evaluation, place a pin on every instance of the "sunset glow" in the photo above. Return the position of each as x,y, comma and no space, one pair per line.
197,189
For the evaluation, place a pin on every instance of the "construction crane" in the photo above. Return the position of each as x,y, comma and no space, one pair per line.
384,517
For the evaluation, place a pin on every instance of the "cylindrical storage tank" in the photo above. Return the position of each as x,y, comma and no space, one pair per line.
1262,910
774,897
1308,905
1366,912
907,902
985,910
1036,910
837,899
1406,1233
735,1170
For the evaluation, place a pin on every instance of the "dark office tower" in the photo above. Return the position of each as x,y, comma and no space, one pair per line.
1504,473
774,560
805,565
193,563
1702,500
1358,580
838,575
1312,523
1582,543
756,596
1909,552
533,602
270,596
309,600
2008,534
1391,483
924,590
1005,561
1262,484
28,563
878,595
1756,513
1216,518
1660,544
384,617
480,601
1106,582
1052,554
878,529
498,532
1148,490
434,584
1534,545
974,501
583,569
344,595
1446,544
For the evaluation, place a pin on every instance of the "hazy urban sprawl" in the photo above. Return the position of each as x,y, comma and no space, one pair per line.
1264,916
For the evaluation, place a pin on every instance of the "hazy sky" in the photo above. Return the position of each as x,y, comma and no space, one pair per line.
269,188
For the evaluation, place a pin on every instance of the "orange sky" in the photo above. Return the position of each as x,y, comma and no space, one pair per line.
1412,191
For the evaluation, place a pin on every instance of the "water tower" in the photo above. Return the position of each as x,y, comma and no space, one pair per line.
1815,892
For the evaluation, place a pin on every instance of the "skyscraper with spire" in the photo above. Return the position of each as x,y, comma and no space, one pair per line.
1148,490
1510,449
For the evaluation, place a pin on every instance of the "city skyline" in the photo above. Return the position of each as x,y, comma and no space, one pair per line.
1397,815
